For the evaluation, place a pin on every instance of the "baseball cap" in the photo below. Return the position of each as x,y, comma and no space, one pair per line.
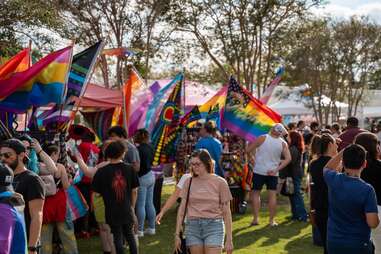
278,127
6,178
14,144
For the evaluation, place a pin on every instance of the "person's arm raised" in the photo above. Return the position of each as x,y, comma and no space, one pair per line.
49,164
335,162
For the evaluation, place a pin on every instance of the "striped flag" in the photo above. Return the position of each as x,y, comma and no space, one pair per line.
270,87
246,116
39,85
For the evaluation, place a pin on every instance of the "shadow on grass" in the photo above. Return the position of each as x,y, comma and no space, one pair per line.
267,235
299,245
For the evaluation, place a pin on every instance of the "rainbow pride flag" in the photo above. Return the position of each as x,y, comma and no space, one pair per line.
41,84
218,99
246,116
18,63
167,129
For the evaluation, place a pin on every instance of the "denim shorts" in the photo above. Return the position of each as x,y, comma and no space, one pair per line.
205,232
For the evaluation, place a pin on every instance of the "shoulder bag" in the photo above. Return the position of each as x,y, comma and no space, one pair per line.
184,249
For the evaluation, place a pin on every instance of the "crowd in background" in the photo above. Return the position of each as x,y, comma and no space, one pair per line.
341,167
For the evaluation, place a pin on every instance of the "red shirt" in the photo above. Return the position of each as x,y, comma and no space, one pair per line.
348,137
84,148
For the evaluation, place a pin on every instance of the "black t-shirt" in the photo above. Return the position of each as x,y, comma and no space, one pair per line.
31,187
372,175
115,183
146,154
319,188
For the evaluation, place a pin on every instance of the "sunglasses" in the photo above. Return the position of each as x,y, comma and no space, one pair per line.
6,155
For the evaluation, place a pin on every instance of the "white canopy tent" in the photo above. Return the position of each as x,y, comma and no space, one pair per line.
290,107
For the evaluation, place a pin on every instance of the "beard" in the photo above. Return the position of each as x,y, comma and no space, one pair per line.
13,165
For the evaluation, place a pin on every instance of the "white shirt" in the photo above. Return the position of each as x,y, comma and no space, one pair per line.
268,155
182,180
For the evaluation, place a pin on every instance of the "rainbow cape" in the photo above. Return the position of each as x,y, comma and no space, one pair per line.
246,116
39,85
18,63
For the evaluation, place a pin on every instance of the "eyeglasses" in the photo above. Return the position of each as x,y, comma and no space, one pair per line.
195,164
6,155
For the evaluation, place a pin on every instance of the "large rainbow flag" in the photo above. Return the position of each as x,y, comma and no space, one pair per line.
166,131
79,75
39,85
154,106
18,63
246,116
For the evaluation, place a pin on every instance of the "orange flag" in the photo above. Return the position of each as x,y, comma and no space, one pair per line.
133,83
18,63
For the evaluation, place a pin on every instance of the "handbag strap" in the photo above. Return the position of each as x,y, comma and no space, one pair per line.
187,200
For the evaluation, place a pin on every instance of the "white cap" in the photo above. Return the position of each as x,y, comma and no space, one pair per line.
280,129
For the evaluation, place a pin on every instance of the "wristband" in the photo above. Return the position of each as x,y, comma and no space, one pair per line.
39,152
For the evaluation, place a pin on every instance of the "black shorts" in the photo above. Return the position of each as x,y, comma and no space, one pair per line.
259,180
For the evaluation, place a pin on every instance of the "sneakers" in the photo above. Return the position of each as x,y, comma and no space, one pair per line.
150,231
140,233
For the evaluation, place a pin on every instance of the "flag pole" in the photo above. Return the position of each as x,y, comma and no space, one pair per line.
29,64
125,123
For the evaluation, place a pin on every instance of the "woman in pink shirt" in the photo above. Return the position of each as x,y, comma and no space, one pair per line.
207,214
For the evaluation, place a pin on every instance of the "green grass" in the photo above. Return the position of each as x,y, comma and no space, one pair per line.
288,237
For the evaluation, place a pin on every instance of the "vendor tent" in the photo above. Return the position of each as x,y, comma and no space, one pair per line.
98,96
290,107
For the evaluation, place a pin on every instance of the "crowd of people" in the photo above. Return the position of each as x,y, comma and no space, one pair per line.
341,167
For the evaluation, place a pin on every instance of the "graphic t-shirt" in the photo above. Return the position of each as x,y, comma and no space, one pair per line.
349,199
115,183
207,196
31,187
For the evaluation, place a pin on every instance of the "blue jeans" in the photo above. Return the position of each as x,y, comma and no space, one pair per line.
297,203
144,203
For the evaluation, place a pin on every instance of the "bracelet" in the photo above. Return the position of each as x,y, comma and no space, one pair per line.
38,153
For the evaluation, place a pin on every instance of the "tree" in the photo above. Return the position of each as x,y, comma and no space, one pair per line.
336,59
124,23
240,35
21,21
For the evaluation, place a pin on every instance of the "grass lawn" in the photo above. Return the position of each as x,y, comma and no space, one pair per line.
288,237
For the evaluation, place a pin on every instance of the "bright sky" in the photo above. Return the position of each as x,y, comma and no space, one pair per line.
346,8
